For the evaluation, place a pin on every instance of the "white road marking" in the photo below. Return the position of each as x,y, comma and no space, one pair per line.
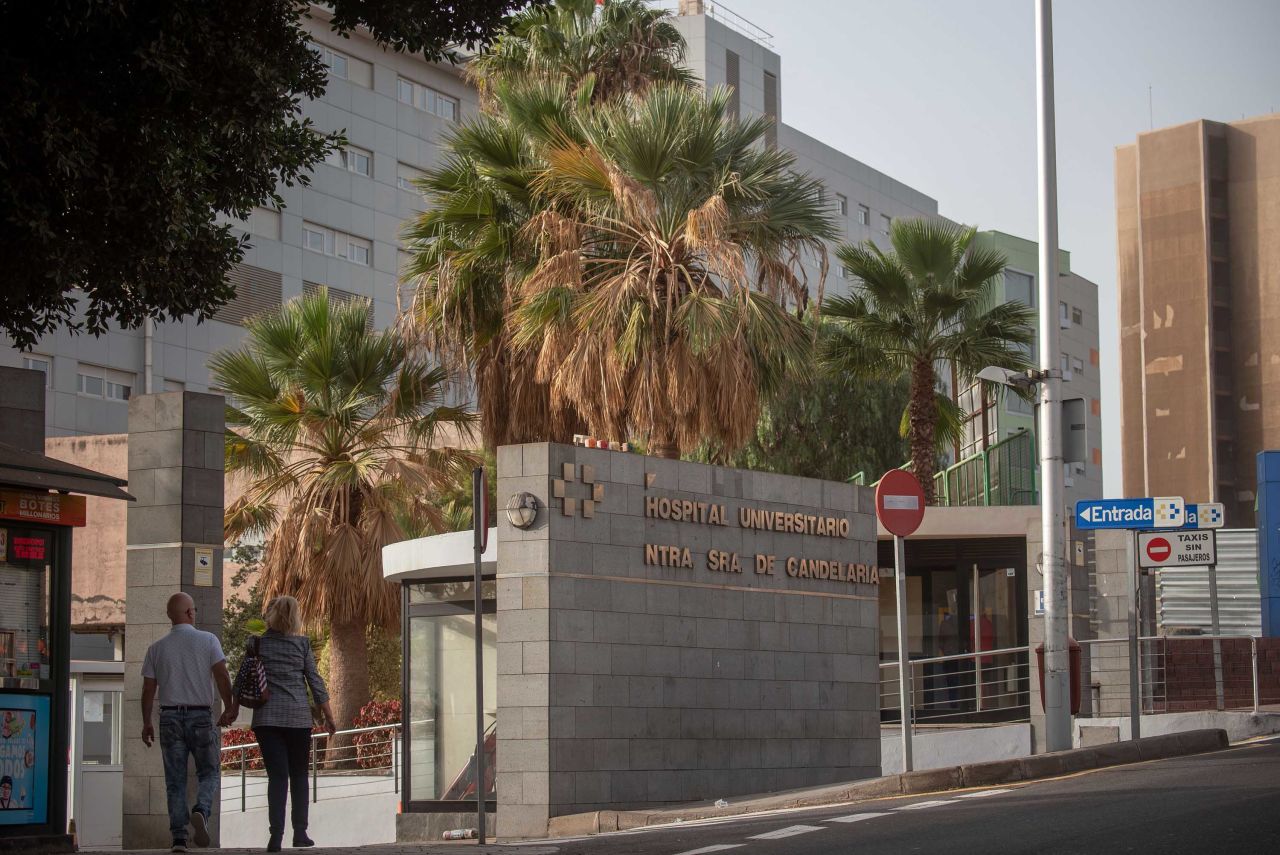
981,794
923,805
719,847
857,817
789,831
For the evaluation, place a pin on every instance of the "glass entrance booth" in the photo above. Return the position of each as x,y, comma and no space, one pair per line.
964,597
437,751
37,517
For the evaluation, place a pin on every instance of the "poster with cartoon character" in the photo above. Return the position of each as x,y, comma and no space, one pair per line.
24,759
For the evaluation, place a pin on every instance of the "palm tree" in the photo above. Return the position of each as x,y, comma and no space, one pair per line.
927,302
334,429
625,46
463,249
665,261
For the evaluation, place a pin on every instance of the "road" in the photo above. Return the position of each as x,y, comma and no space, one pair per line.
1227,801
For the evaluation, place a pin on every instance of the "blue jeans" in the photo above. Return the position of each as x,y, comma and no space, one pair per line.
183,732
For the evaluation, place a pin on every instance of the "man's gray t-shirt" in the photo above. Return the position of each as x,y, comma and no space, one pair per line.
180,663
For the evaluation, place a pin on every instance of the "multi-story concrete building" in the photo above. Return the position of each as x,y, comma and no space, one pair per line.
993,420
343,230
1198,233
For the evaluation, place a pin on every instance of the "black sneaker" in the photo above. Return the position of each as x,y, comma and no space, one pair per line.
178,846
200,825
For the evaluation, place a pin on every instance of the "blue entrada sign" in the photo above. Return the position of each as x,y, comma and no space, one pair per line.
1156,512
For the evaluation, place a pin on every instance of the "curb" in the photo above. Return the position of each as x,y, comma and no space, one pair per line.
908,783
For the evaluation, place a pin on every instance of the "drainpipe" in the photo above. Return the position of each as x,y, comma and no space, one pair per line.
148,361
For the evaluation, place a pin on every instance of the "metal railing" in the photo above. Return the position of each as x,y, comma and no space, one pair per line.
338,767
1176,673
985,687
726,16
1004,474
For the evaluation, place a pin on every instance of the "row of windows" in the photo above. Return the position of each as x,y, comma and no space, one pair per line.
338,244
427,99
346,67
92,381
360,161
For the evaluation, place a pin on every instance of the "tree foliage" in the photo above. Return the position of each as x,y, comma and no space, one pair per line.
465,252
341,434
927,302
131,133
825,426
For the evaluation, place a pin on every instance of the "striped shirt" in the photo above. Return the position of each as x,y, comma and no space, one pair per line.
181,664
291,669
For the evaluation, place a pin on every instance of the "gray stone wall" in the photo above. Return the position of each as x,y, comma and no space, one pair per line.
623,684
176,473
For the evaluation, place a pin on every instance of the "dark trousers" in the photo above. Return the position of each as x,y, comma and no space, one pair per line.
284,752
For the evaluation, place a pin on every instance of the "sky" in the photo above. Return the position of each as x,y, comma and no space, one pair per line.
940,94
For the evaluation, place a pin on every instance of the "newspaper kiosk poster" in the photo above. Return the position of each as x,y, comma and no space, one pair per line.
24,759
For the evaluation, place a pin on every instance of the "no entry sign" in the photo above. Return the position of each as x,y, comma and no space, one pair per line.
1177,549
899,502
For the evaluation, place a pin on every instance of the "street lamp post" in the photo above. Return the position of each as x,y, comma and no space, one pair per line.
1057,689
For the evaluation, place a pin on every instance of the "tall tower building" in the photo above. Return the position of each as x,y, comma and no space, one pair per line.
1198,234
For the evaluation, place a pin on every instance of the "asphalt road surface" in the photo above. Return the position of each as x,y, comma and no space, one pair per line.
1227,801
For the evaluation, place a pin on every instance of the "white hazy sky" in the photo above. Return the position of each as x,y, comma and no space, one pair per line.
941,94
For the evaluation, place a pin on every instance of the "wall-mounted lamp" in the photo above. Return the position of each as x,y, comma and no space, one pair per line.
522,509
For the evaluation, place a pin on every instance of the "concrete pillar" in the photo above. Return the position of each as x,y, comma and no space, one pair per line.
22,413
175,471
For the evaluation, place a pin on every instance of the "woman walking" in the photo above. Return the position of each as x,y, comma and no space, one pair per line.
282,725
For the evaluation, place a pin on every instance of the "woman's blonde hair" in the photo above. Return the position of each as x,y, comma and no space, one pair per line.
283,615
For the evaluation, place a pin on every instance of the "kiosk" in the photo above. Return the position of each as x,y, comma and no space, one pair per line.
41,502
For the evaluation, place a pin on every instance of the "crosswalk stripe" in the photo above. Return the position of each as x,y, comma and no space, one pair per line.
719,847
922,805
789,831
981,794
857,817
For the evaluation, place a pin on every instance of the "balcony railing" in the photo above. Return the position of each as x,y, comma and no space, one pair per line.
1004,474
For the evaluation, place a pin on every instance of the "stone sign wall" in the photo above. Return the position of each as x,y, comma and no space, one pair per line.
671,631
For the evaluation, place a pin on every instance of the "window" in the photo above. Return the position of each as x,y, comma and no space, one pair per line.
43,364
95,382
264,222
427,99
732,81
1064,365
885,222
1064,316
90,384
844,272
1077,366
406,175
333,61
329,242
440,702
771,109
102,731
174,385
352,159
118,391
1020,287
842,204
864,215
1077,316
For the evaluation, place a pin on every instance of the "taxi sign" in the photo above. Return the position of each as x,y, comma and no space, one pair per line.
1177,549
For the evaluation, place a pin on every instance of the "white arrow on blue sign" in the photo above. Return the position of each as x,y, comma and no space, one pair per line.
1154,512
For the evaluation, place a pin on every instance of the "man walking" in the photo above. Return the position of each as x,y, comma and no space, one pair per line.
179,667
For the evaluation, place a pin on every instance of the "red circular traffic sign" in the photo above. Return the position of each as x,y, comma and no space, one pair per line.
1159,549
899,502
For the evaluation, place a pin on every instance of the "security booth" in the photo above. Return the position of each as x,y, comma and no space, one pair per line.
41,503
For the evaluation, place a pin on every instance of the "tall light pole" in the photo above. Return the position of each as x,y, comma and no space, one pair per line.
1057,687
